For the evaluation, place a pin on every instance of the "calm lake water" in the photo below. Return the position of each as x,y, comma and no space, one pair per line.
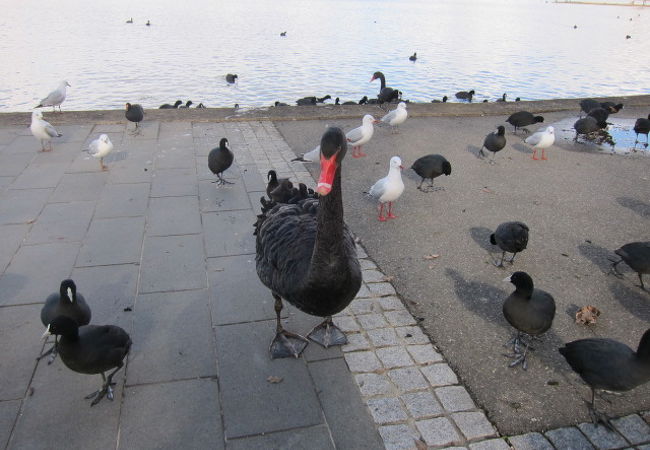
527,48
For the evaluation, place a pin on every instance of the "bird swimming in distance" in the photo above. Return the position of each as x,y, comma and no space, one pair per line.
503,98
396,117
283,34
306,101
200,106
494,142
363,100
637,256
530,311
130,20
67,302
219,160
642,126
389,188
100,148
465,95
278,103
91,349
541,139
231,77
186,105
43,131
431,166
522,119
134,113
168,106
444,100
56,97
306,255
608,365
511,237
413,57
148,23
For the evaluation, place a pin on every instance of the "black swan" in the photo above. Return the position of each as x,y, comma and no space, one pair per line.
610,365
642,126
465,95
413,57
134,113
637,256
494,141
431,166
510,237
168,106
386,94
503,98
307,255
67,302
219,160
522,119
91,349
529,310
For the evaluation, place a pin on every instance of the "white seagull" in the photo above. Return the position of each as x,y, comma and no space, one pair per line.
42,130
541,139
56,97
389,188
360,135
99,148
396,117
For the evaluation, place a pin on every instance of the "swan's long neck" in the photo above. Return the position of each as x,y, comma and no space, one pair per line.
382,79
329,235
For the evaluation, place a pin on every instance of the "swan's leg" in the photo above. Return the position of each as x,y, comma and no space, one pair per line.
381,212
285,343
390,211
327,334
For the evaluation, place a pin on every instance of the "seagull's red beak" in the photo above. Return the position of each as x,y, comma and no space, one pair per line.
401,167
327,171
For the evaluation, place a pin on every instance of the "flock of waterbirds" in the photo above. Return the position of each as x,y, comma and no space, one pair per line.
299,228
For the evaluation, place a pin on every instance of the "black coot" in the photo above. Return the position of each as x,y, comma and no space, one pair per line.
529,310
522,119
586,126
465,95
231,77
610,365
511,237
168,106
494,142
637,256
134,113
91,349
431,166
642,126
219,160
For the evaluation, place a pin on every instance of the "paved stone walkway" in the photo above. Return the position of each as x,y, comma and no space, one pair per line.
158,249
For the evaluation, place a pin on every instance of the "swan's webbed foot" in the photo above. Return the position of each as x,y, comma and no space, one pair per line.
286,344
327,334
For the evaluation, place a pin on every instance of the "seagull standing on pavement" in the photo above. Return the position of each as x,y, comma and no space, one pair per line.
100,148
541,139
389,188
396,117
56,97
43,131
360,135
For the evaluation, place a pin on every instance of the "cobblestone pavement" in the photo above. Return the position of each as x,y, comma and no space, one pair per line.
158,249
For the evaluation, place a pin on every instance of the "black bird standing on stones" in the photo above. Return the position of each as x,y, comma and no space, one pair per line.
510,237
386,94
522,119
307,256
494,141
431,166
134,113
586,126
67,302
219,160
610,365
168,106
529,310
642,126
91,349
637,256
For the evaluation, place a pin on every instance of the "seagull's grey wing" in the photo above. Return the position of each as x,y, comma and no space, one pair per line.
49,129
534,139
312,155
93,148
390,116
378,189
55,97
354,135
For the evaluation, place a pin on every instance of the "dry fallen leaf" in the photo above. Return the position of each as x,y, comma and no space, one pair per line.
274,380
430,256
587,315
389,278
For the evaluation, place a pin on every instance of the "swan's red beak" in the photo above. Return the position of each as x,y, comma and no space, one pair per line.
372,79
327,172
